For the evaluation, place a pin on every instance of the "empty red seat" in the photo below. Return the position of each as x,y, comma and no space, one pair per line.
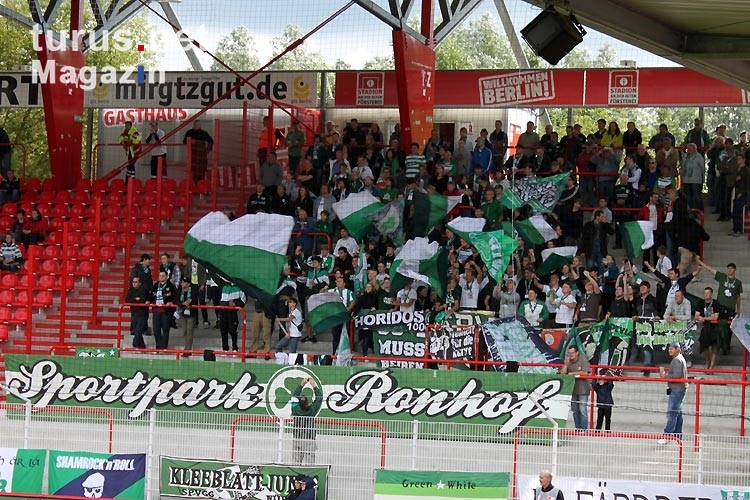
55,237
81,197
63,197
75,224
10,208
52,252
167,212
9,281
150,186
109,239
66,283
74,238
86,268
117,185
88,252
203,187
145,226
26,206
44,208
48,185
4,333
22,298
24,283
88,238
60,210
83,185
6,314
99,185
32,184
28,196
108,254
21,315
47,282
7,297
71,253
43,299
56,223
168,186
78,210
50,266
148,198
112,212
116,197
46,197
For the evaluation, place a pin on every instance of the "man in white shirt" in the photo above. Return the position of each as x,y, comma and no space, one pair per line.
347,242
679,309
406,297
553,292
293,332
470,286
566,307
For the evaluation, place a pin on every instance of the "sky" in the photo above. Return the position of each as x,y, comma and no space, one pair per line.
355,36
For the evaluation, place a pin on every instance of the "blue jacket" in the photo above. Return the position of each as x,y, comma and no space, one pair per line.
309,491
482,157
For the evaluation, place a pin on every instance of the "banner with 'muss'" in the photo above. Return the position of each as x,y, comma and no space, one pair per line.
500,399
182,477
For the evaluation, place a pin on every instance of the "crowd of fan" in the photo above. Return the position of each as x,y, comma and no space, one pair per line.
616,175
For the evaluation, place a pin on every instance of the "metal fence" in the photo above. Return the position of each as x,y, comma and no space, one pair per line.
356,448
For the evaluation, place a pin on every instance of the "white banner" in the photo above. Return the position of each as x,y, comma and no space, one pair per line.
177,89
595,489
741,328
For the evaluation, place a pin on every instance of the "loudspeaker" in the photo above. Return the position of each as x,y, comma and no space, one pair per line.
552,35
209,355
511,367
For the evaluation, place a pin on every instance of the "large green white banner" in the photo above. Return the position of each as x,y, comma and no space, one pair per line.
21,471
97,475
182,477
437,485
390,396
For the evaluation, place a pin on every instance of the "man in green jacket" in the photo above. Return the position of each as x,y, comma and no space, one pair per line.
304,412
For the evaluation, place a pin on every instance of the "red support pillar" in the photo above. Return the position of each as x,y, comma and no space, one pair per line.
415,80
63,104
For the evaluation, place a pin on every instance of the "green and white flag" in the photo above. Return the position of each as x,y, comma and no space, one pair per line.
541,193
535,230
249,251
356,213
389,219
554,258
326,310
429,209
344,349
496,248
420,260
638,236
439,485
21,471
463,226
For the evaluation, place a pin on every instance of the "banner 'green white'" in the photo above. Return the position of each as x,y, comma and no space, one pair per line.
535,230
249,251
359,392
420,260
21,470
356,213
638,236
439,485
183,477
326,310
97,475
554,258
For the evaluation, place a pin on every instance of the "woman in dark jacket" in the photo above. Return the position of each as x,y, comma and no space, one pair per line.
368,302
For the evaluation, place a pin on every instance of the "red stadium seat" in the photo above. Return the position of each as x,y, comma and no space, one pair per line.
6,314
83,185
32,184
108,254
203,187
88,252
74,238
9,281
55,237
71,253
117,185
99,185
78,210
46,282
10,208
7,297
4,333
81,197
86,268
150,186
43,299
51,266
148,198
75,224
21,315
22,298
28,196
44,208
46,197
167,212
137,186
48,185
63,197
52,252
116,197
110,239
168,186
88,238
145,226
60,210
110,225
24,282
112,212
56,223
66,282
26,206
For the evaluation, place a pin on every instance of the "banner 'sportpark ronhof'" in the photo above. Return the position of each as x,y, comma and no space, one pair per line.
390,396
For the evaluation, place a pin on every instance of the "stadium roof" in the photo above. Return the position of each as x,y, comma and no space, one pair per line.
710,37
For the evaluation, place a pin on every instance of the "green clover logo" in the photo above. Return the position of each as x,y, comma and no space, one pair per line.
280,387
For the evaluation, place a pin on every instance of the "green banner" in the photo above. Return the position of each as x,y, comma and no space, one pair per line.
500,399
97,352
21,471
181,477
97,475
403,485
